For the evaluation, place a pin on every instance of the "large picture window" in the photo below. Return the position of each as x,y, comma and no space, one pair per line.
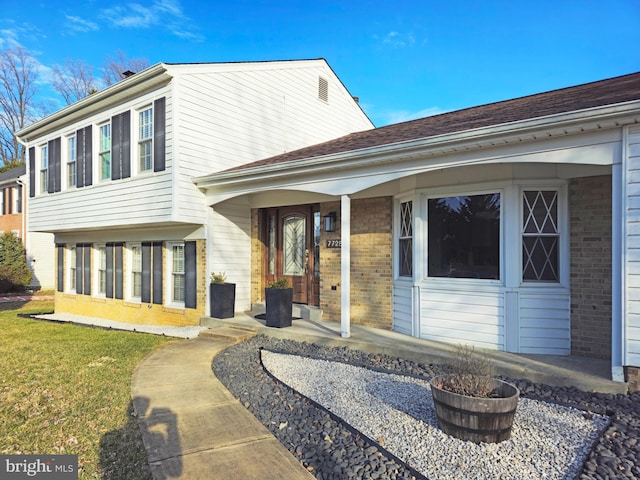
464,236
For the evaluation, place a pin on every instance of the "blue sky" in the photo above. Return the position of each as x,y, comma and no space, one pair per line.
403,59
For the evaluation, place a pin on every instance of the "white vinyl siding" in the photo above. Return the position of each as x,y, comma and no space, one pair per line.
631,263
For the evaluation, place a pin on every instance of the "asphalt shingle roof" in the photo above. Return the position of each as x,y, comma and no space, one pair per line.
604,92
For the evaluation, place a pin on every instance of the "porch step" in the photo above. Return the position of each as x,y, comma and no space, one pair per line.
306,312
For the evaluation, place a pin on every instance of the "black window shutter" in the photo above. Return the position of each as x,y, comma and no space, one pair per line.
32,172
88,156
145,296
86,266
116,147
9,200
157,273
118,268
4,200
60,249
80,158
79,269
57,165
159,124
51,178
108,292
125,144
190,276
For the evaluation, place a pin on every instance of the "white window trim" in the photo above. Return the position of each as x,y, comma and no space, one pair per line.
563,230
65,155
99,151
96,271
456,192
129,272
70,252
43,188
138,140
398,201
168,283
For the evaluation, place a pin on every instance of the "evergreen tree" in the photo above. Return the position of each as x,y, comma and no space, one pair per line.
15,274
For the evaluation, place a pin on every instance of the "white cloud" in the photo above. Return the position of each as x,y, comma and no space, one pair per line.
78,24
163,13
396,39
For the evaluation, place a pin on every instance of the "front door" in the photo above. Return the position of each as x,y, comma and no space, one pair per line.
291,240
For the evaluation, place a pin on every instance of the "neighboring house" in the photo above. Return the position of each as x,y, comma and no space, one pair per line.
111,177
13,219
512,226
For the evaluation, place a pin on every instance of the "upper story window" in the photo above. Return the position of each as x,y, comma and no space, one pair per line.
44,168
464,236
104,151
19,199
71,161
145,140
540,236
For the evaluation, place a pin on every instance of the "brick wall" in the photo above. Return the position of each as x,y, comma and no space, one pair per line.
371,263
257,249
632,376
590,211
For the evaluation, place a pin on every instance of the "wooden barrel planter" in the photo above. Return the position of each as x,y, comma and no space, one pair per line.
476,419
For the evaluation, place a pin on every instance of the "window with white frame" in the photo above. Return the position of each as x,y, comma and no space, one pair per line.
72,268
136,271
405,240
18,199
44,168
145,139
177,272
101,269
540,236
464,236
104,153
71,161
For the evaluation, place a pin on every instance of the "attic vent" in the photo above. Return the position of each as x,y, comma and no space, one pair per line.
323,89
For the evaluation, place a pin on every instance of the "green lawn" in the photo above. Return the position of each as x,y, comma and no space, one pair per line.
66,389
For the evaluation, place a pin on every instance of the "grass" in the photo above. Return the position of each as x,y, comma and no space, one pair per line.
65,389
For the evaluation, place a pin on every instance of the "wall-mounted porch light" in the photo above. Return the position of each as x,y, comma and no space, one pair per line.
330,222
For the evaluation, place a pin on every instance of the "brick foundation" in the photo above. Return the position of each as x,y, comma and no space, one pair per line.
632,377
590,210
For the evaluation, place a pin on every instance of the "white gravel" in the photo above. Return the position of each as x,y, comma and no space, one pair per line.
548,441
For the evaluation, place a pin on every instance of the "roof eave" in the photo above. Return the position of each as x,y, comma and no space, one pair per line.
147,78
588,119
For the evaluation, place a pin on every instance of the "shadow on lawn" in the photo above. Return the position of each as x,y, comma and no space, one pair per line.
122,451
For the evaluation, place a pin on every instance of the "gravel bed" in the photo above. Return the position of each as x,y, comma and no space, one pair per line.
331,449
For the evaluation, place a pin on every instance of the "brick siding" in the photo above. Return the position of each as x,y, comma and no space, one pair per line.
590,211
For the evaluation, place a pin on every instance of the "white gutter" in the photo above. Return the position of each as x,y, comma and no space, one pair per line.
628,112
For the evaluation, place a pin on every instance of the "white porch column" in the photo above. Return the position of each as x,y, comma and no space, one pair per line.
345,266
618,297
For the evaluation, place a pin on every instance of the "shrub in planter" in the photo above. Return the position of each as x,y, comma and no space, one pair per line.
222,296
472,405
279,300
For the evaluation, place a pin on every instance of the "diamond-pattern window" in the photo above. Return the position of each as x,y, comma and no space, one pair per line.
405,250
540,236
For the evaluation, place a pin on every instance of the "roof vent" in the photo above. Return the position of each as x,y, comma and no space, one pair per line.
323,89
127,74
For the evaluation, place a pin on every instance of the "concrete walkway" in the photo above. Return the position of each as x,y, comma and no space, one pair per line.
193,428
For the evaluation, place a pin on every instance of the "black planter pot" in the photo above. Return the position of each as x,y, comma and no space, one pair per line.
223,299
279,306
476,419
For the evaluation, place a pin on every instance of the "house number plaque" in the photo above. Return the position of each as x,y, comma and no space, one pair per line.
334,243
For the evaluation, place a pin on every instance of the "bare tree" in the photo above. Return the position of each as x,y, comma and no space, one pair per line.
73,80
18,89
115,68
